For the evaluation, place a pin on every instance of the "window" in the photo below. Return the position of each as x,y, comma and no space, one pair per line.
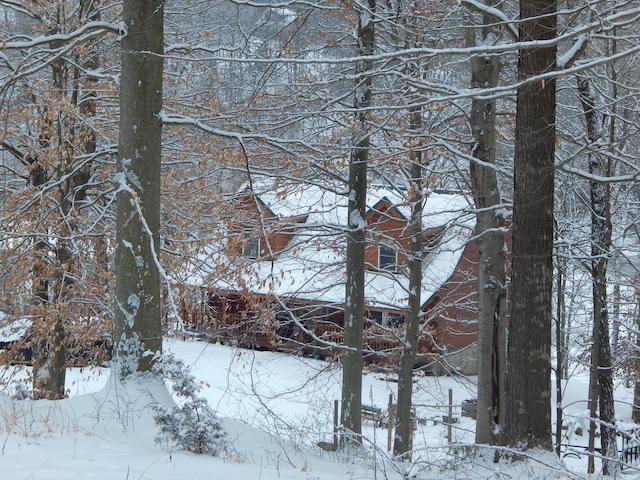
375,316
394,319
251,245
387,259
386,319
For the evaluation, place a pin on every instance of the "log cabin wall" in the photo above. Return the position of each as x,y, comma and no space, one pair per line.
258,322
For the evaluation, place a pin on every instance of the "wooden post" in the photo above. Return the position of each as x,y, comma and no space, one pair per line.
335,424
450,415
390,423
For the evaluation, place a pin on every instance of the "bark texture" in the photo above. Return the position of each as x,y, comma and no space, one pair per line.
137,297
404,423
601,368
492,250
635,413
528,422
560,351
354,295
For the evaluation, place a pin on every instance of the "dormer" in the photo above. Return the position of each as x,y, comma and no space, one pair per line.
256,232
386,237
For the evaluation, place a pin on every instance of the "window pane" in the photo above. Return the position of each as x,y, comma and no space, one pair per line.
375,316
251,246
387,258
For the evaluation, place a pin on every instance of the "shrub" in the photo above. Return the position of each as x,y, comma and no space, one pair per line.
192,425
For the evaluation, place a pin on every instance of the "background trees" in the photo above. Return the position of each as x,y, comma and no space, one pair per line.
306,93
50,84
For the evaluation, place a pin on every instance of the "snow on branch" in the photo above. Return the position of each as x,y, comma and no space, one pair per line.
605,23
568,58
602,179
316,5
118,28
496,13
173,119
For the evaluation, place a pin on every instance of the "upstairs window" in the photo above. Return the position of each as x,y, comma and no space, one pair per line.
387,259
251,245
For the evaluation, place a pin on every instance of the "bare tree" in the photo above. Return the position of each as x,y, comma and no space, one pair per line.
601,380
138,325
404,421
351,420
492,325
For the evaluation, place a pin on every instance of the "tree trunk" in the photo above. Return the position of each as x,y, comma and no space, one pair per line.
635,411
567,315
485,72
137,297
49,355
602,371
615,330
559,352
354,295
529,399
635,414
49,364
404,423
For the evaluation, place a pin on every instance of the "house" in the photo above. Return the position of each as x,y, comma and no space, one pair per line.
276,281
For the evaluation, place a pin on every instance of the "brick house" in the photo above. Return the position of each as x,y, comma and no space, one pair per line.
285,247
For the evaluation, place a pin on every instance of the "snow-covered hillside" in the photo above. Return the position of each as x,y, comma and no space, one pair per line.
274,406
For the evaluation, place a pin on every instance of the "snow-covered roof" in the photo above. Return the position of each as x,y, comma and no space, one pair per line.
329,206
312,266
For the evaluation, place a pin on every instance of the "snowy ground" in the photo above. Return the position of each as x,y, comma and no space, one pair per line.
100,433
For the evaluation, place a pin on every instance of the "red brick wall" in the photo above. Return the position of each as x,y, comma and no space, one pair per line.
386,226
454,307
245,216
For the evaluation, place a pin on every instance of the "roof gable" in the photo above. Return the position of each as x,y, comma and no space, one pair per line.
384,206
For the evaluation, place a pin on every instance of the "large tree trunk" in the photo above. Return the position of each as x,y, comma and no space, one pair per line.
492,327
635,411
137,310
354,295
404,423
601,368
528,422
